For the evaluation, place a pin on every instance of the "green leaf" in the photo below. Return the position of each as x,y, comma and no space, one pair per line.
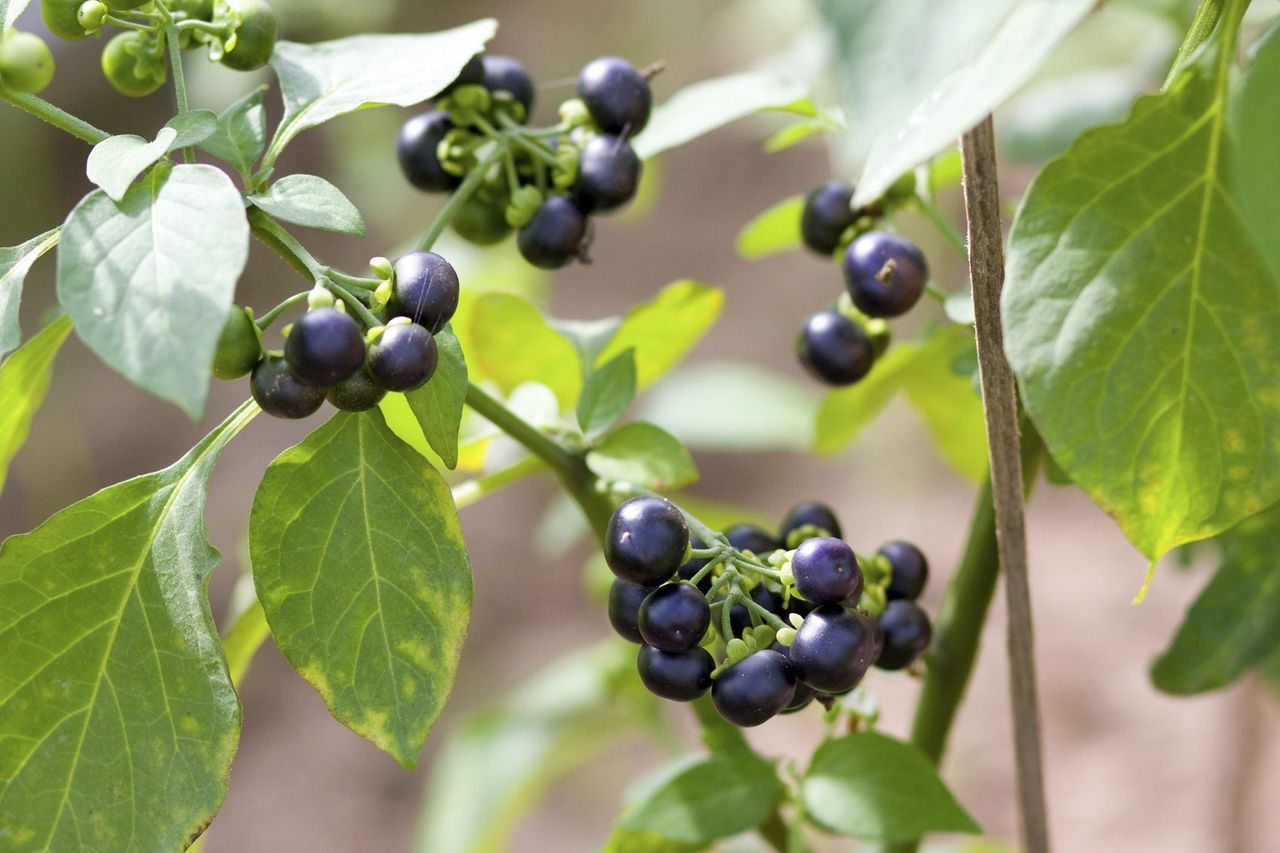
147,282
499,763
1269,671
607,393
10,10
241,134
312,202
797,132
1235,621
966,60
775,230
1255,121
1142,323
117,715
663,330
359,563
24,380
700,800
589,337
248,632
703,107
192,128
15,263
879,789
512,343
322,81
950,404
438,404
643,454
117,161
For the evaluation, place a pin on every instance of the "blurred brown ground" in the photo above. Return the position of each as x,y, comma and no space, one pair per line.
1128,768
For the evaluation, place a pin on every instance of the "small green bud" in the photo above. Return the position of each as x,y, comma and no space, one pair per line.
371,337
382,268
91,14
574,113
763,635
381,297
787,636
320,297
471,97
736,650
796,619
873,600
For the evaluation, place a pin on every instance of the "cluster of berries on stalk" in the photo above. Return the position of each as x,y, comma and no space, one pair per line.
546,183
767,624
328,354
884,276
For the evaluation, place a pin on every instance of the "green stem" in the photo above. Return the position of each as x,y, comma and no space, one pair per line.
351,281
1202,26
56,116
473,491
179,79
353,303
460,195
283,244
264,322
939,221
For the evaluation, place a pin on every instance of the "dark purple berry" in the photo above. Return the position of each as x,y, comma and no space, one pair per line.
554,236
674,617
356,394
625,599
324,347
809,514
826,571
279,392
884,273
834,349
828,213
906,632
616,95
749,537
910,570
426,290
404,357
804,693
505,74
834,647
646,541
680,676
608,174
754,689
417,148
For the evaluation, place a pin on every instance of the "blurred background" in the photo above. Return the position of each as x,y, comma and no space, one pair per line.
1128,768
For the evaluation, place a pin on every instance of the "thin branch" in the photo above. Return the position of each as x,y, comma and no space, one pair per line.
54,115
1000,401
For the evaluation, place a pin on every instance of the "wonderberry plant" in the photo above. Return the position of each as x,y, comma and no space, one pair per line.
1132,351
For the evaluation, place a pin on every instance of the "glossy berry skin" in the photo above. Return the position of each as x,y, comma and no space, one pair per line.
675,617
834,648
827,215
26,63
646,540
553,237
60,16
907,632
802,699
608,174
426,290
416,148
679,676
324,347
255,37
358,393
403,358
625,599
755,689
472,74
505,74
279,393
826,571
910,570
834,349
884,274
809,514
616,95
239,346
749,537
130,68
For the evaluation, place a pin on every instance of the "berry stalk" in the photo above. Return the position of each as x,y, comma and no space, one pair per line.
461,194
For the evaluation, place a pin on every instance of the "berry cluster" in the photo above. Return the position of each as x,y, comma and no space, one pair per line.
547,182
884,275
329,355
791,618
241,34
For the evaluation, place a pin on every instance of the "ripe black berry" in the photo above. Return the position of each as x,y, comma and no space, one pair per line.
625,599
554,237
884,273
646,540
910,570
834,349
279,392
674,617
749,537
680,676
416,147
906,632
324,347
505,74
404,357
827,215
616,94
426,290
472,74
834,647
608,174
826,571
754,689
359,393
809,514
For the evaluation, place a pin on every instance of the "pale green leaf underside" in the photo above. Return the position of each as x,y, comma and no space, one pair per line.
511,343
241,133
9,12
117,717
774,230
24,379
192,128
147,282
359,563
663,330
15,263
117,161
643,454
312,202
1255,124
1142,323
437,406
607,393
